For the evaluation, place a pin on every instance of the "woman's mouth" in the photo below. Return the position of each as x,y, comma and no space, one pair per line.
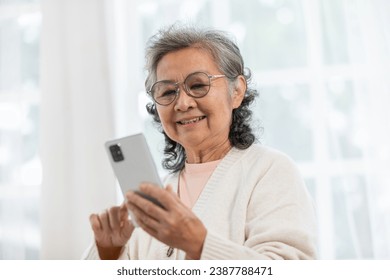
194,120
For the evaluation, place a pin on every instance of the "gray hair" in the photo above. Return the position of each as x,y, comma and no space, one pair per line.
229,61
224,51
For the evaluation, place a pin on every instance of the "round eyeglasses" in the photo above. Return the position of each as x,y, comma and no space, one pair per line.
196,85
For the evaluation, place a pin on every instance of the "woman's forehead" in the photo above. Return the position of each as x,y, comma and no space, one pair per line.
179,64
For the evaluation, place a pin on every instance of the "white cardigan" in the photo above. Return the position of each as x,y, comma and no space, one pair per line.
254,206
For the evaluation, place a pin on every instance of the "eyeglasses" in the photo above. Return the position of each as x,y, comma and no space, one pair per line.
196,85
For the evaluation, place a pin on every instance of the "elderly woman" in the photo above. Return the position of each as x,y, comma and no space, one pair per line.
226,197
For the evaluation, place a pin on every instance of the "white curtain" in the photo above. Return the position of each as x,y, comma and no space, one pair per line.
373,100
76,120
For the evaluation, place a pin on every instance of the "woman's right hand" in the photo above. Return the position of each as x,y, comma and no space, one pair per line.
112,229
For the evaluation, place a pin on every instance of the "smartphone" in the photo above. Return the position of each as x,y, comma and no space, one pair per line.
132,164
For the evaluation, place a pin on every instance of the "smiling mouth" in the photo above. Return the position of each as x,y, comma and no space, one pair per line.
194,120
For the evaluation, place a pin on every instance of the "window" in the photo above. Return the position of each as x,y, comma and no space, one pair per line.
19,117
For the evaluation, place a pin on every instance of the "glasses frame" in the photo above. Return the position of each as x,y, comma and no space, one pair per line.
186,90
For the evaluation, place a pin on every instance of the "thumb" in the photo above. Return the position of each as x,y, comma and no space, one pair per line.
169,189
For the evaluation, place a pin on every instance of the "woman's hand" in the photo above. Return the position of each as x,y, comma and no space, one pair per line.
175,225
112,230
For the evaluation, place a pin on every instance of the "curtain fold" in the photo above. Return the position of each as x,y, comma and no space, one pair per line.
374,21
76,120
366,192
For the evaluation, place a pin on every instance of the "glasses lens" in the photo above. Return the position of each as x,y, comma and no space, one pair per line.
197,84
164,92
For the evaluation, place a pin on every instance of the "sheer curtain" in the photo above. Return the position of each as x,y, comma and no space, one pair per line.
372,89
20,175
355,74
76,120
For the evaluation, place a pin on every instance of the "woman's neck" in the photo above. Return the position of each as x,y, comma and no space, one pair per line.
212,153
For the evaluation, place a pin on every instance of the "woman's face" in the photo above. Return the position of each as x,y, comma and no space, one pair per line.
197,123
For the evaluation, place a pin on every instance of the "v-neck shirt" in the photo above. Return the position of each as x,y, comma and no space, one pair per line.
193,178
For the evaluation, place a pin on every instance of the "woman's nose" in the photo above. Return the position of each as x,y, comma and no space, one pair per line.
183,101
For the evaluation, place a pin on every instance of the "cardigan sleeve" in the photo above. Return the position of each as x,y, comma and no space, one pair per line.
280,220
92,253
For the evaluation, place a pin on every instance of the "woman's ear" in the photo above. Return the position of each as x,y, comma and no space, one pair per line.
238,91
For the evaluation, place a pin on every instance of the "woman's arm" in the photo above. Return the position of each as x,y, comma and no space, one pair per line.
280,221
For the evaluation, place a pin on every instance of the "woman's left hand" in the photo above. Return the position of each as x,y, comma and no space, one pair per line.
175,224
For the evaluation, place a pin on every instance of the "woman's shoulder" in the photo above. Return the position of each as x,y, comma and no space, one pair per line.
263,152
259,155
273,166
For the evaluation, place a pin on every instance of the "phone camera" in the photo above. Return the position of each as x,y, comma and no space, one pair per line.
116,153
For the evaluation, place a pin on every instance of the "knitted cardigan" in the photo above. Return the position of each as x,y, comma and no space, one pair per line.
254,206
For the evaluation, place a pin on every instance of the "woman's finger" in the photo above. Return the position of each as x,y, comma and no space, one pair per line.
104,221
143,217
123,214
170,190
114,218
95,223
145,205
166,198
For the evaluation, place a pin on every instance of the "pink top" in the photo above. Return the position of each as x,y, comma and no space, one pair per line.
193,179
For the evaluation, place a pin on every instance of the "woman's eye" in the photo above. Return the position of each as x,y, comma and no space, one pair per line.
168,93
197,86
